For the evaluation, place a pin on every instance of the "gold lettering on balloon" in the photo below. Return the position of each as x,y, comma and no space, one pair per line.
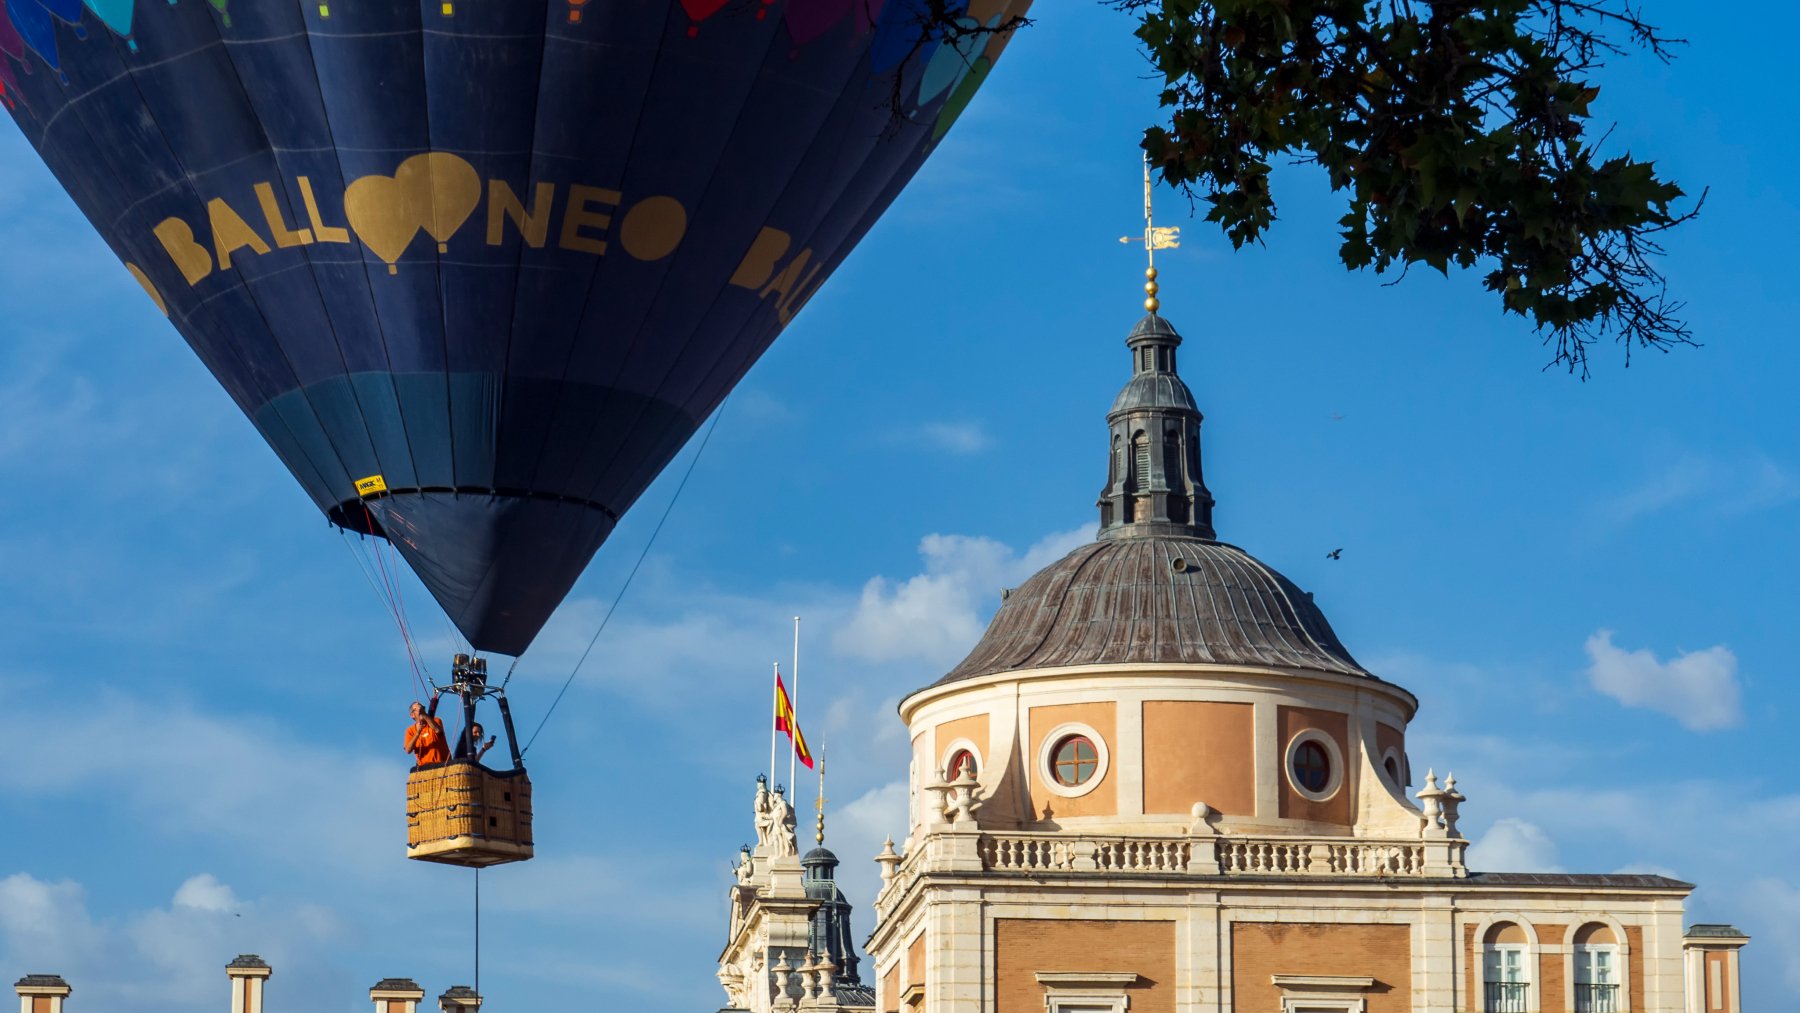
578,215
177,238
284,236
759,264
321,232
795,285
504,203
435,191
653,228
148,286
231,232
445,191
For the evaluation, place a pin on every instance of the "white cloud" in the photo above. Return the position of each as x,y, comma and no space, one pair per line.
209,775
955,437
1513,845
857,832
1774,905
938,615
1733,487
162,958
1697,688
205,893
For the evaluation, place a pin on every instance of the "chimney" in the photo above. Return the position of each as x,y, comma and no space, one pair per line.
396,995
1710,953
460,999
247,972
41,993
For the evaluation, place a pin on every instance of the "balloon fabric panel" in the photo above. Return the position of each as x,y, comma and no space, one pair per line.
477,269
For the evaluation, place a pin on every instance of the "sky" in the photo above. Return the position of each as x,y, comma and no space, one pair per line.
1587,584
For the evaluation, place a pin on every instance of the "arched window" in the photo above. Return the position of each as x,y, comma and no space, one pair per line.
1597,969
960,761
1506,970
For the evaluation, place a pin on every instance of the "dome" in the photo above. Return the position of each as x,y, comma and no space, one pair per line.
820,856
1157,600
1155,390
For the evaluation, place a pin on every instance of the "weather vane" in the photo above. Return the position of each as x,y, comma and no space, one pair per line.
1155,237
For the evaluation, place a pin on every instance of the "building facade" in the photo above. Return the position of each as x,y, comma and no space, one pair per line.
1160,784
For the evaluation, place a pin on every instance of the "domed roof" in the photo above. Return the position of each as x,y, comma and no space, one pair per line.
1155,390
1157,600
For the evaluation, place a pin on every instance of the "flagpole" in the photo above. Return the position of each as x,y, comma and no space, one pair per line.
794,753
774,735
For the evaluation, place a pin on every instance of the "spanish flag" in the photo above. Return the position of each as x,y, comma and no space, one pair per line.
785,722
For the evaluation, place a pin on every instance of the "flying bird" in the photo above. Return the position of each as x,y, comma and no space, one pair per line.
1335,554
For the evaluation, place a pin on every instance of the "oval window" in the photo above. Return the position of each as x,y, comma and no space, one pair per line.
1392,766
1074,761
1312,767
962,761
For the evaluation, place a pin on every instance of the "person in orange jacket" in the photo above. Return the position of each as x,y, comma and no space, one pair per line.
425,736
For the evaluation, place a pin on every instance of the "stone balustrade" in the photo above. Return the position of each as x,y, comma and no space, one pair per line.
965,849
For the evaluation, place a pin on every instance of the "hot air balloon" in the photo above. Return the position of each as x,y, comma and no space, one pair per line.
477,269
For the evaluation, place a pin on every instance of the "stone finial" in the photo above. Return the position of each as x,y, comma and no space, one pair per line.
249,973
1452,801
1200,821
49,987
1431,799
459,999
961,799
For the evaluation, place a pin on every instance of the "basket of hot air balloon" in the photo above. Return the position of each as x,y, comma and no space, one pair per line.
460,813
477,270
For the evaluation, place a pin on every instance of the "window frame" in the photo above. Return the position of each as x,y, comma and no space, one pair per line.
960,745
1333,754
1046,759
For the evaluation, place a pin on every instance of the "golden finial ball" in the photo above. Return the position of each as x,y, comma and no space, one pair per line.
1152,304
1150,273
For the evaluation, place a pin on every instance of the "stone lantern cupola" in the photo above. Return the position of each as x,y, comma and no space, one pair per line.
1153,482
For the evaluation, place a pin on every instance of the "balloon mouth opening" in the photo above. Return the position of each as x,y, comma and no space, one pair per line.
357,517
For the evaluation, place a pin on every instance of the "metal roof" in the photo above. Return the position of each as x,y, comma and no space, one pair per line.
1151,600
1628,880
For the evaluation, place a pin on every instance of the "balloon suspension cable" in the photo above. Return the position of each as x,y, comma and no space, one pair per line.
383,593
478,930
607,618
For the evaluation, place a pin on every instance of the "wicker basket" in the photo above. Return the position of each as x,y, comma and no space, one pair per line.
461,813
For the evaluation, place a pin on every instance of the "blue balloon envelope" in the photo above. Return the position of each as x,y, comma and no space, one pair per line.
477,269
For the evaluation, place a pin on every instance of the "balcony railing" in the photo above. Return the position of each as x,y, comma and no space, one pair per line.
1231,856
1508,997
1596,998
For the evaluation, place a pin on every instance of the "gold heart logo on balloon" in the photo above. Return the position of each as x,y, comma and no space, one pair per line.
436,191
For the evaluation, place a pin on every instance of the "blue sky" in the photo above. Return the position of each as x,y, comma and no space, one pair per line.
1587,584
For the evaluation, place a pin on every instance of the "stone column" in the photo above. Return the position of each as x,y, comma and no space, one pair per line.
396,995
41,993
953,950
460,999
248,973
1710,953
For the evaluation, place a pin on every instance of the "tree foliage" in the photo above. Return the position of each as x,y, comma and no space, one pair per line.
1460,130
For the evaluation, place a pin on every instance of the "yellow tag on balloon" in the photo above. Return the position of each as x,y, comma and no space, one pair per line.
371,486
